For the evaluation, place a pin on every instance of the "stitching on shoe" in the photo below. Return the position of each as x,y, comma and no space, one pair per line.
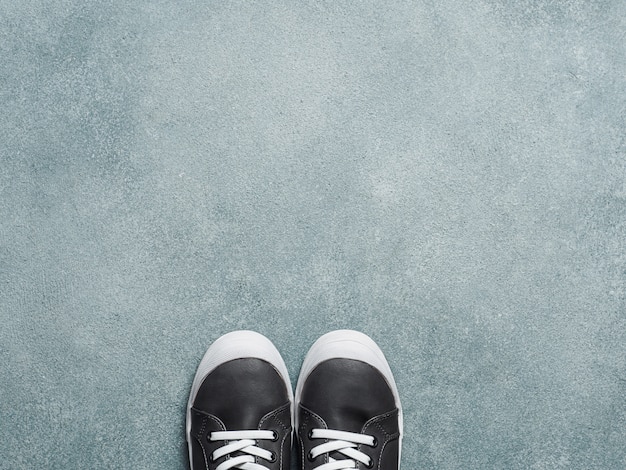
382,448
315,415
376,421
378,418
202,426
206,462
321,420
282,445
206,416
274,414
303,425
217,420
380,426
198,437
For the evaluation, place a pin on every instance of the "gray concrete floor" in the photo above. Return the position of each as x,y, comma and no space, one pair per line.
448,177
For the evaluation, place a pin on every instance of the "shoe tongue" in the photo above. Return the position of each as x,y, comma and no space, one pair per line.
345,418
241,418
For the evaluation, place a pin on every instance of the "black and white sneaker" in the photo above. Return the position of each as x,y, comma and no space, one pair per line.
348,412
240,407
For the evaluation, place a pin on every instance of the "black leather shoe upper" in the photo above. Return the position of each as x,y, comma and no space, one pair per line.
349,395
242,394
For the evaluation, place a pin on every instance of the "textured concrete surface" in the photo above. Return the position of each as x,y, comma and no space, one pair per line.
448,177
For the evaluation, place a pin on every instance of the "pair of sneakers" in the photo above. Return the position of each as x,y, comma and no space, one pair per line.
242,413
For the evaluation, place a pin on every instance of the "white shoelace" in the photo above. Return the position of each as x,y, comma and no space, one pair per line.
244,442
343,442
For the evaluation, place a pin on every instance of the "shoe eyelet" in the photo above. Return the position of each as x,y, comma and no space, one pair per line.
274,436
272,458
370,464
310,435
375,443
310,457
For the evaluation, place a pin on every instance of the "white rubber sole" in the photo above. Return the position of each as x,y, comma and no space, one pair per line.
231,346
349,344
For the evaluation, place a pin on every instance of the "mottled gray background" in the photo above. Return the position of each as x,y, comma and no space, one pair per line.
448,177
